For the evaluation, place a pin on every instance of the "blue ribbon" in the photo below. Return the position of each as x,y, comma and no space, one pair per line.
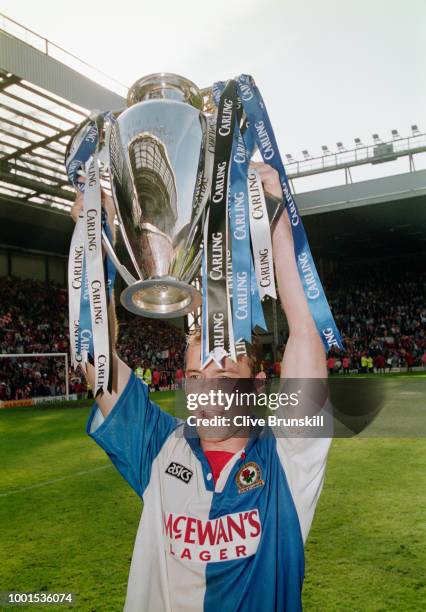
240,241
85,335
82,154
261,129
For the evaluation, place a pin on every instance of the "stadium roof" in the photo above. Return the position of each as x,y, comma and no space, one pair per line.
35,128
42,100
45,93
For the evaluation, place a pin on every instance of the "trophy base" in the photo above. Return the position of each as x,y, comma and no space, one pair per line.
161,298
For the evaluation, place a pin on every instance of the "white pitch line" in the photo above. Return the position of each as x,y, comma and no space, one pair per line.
49,482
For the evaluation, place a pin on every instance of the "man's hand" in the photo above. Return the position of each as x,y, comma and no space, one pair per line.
304,355
269,177
107,203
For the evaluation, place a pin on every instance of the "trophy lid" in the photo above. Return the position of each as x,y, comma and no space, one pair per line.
164,85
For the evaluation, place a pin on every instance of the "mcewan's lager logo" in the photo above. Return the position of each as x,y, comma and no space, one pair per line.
233,536
249,477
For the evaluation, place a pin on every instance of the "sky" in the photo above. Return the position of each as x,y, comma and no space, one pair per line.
329,70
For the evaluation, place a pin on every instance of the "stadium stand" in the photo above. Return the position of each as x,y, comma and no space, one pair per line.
382,317
33,319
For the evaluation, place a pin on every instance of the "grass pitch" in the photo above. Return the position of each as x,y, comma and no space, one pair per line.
68,520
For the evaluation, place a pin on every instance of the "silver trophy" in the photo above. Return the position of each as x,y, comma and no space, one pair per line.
154,155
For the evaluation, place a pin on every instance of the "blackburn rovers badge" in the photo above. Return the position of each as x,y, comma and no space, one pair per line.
249,477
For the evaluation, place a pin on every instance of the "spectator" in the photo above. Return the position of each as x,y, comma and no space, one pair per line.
147,376
156,379
346,364
179,378
380,363
409,360
382,318
277,368
139,372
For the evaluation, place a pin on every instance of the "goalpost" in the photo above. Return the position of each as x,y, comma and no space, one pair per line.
36,355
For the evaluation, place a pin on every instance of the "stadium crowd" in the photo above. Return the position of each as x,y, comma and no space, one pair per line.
34,319
382,320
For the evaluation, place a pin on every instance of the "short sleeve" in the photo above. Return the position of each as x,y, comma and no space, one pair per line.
303,437
304,461
133,433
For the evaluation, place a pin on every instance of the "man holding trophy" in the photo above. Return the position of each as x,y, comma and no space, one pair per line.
225,515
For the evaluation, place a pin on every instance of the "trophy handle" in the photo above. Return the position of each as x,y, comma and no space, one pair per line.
122,270
209,105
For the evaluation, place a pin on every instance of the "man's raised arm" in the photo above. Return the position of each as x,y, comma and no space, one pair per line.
304,355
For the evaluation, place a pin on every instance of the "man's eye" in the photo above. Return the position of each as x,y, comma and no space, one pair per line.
194,376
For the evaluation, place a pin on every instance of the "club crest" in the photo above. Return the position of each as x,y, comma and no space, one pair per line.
249,477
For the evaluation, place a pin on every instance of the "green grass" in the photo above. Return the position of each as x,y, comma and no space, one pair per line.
68,520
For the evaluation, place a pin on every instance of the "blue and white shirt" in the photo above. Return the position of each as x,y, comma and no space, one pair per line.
235,545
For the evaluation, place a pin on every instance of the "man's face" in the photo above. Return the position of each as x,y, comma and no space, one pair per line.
210,378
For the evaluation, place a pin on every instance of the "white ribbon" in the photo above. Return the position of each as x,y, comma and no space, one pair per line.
260,232
95,274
